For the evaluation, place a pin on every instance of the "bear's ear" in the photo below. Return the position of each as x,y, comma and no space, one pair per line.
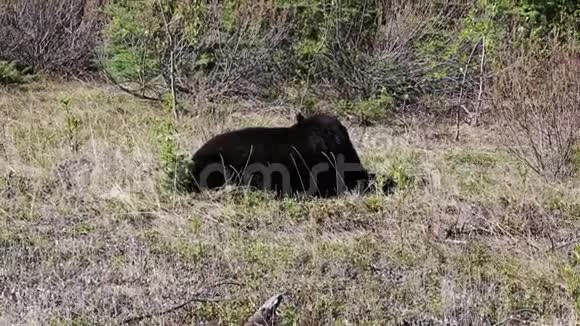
299,117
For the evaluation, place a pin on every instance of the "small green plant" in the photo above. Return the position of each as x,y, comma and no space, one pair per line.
374,203
555,201
196,225
294,209
364,253
575,159
9,74
469,158
476,184
83,228
403,169
176,167
193,252
368,111
118,261
471,168
571,275
558,201
72,124
230,312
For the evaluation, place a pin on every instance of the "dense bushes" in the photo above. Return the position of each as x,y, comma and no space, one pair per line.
537,99
357,51
298,50
214,50
57,36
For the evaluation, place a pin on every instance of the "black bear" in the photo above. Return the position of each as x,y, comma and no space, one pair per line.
314,156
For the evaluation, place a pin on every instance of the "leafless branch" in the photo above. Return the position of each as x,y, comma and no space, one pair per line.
171,40
195,298
477,112
459,104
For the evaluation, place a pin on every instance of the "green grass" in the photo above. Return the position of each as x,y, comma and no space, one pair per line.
474,247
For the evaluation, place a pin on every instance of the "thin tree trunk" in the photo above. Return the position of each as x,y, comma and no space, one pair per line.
459,105
481,81
171,62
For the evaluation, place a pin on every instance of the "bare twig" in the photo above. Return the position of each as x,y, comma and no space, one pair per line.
481,81
114,81
195,298
458,117
561,245
513,315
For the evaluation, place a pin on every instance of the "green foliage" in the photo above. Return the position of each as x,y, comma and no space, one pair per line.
176,167
571,275
265,257
294,208
486,20
10,74
450,46
193,252
404,169
228,16
369,110
557,16
137,38
476,183
558,201
456,42
72,124
228,312
83,228
322,25
374,203
330,44
458,159
555,200
364,252
472,169
131,38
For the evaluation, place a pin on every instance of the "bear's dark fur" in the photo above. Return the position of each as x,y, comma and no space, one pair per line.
314,156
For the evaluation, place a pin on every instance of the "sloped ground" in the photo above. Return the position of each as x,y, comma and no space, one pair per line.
88,237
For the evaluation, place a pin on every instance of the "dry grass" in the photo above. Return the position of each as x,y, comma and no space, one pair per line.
90,238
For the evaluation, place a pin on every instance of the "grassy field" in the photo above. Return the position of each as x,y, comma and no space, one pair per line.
88,236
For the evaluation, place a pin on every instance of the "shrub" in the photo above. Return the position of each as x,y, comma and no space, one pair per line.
404,169
207,50
544,17
357,51
536,99
58,36
176,169
130,41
